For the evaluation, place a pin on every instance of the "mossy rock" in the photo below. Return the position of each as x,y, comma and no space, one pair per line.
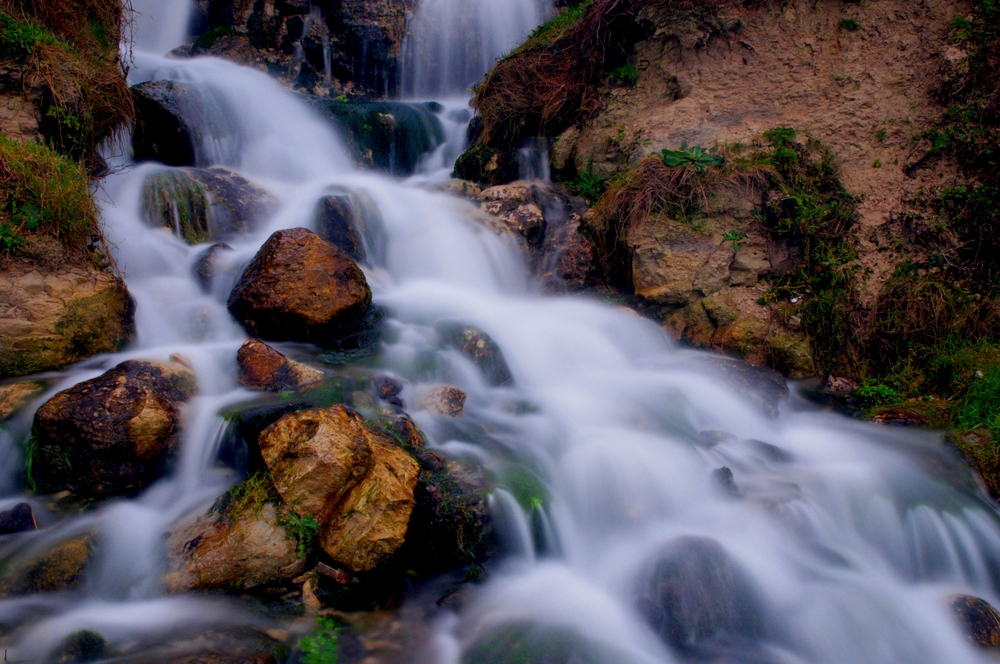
487,166
59,568
526,643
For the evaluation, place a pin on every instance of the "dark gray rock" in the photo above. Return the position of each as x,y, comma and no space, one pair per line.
478,347
350,219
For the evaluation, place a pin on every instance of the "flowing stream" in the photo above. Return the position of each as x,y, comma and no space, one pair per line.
851,538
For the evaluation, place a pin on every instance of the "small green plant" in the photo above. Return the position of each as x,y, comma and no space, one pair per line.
734,236
877,394
321,644
880,135
588,186
343,99
626,75
10,239
249,497
30,450
302,530
849,24
19,40
877,163
696,158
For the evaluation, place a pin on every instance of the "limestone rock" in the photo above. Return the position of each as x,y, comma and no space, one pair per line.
15,396
979,620
300,288
217,552
113,434
355,481
263,368
59,568
447,401
480,348
204,205
51,316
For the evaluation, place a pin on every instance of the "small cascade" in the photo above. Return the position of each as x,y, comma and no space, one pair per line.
159,25
327,62
533,160
452,43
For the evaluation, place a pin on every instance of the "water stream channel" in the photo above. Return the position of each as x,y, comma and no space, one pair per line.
849,539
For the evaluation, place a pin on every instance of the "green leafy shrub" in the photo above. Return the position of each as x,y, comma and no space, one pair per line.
849,24
302,530
626,75
587,185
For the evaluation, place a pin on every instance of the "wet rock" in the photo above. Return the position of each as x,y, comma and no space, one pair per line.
979,620
263,368
355,481
386,136
387,387
204,205
301,288
724,479
487,166
461,188
480,348
343,216
772,452
59,568
174,124
18,519
696,595
547,219
446,401
15,396
204,267
82,646
232,549
114,434
58,315
537,642
764,387
840,385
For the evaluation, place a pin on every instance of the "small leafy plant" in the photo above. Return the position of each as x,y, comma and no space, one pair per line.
849,24
302,530
696,158
734,236
588,186
626,75
320,645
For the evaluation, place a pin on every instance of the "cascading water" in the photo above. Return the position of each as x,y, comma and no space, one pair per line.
839,541
452,43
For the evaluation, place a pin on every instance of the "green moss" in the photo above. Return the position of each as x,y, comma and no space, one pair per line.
248,498
207,40
849,24
43,192
322,644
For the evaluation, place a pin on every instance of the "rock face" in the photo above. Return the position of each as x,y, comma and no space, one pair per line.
547,220
114,434
300,288
54,316
221,553
356,482
204,205
386,136
263,368
697,594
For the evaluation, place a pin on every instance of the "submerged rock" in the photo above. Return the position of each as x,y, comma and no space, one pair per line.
234,550
263,368
446,401
301,288
82,646
480,348
386,136
204,205
61,567
17,519
114,434
58,315
697,594
175,122
979,620
344,216
355,481
204,267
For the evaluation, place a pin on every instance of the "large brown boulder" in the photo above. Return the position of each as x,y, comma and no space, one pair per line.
264,368
111,435
301,288
54,315
231,550
355,481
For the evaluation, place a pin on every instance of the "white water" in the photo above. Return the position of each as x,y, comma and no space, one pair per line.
452,43
853,546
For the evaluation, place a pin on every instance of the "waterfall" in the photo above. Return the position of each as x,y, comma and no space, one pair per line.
160,25
844,545
452,43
